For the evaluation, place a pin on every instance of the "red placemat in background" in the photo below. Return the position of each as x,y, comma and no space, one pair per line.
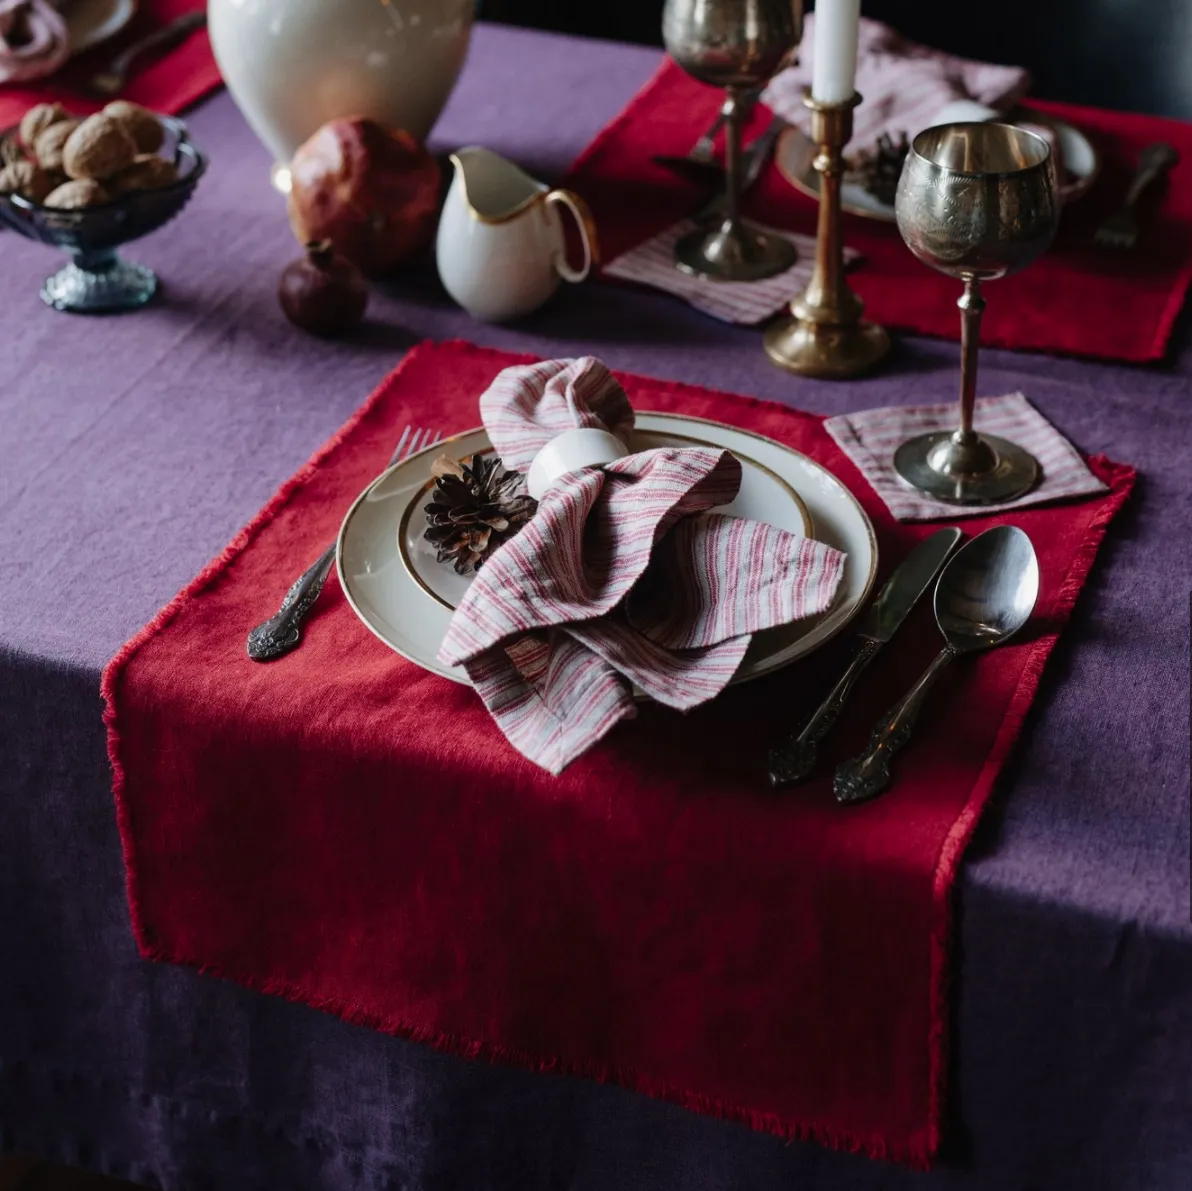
1076,299
165,82
344,829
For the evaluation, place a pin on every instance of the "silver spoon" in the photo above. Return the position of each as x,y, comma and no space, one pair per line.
985,595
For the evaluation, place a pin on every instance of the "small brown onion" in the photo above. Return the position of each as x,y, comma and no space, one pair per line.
323,292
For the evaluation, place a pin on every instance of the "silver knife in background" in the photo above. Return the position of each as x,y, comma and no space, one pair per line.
794,759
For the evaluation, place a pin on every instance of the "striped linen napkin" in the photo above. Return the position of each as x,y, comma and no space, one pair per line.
623,576
652,263
904,86
870,439
34,40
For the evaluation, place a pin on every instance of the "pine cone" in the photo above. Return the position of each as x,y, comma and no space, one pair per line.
477,507
879,170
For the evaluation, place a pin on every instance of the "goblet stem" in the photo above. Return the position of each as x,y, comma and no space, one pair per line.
732,155
972,306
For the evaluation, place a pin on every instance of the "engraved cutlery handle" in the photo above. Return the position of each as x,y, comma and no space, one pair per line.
867,775
279,634
793,760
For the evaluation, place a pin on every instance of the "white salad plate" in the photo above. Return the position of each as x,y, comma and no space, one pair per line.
402,594
796,152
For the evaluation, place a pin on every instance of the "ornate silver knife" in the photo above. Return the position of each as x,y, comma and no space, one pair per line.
793,760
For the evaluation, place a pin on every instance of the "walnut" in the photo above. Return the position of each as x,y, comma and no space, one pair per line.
145,173
37,119
79,192
11,151
25,179
98,148
141,124
48,146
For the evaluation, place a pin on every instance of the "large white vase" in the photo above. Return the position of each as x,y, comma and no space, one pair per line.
292,65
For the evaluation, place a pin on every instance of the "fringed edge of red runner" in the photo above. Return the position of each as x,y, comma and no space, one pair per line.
113,671
1120,478
918,1153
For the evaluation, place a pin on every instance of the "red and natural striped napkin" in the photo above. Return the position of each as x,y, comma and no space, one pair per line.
623,576
870,438
652,263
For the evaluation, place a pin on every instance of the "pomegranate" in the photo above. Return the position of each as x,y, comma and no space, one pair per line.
371,191
323,292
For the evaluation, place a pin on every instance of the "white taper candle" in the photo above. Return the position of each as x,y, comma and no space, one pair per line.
834,62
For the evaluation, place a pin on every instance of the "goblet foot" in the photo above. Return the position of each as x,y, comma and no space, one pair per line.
99,284
825,349
734,251
966,469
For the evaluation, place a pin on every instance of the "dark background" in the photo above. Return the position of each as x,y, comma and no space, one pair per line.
1129,54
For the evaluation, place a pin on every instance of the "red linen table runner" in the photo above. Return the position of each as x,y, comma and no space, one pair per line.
1077,298
167,82
344,829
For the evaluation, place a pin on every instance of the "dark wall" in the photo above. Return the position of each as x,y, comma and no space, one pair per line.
1131,54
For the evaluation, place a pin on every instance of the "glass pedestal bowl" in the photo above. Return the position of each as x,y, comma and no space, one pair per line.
97,279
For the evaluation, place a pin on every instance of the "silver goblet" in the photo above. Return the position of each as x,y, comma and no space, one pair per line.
735,44
975,201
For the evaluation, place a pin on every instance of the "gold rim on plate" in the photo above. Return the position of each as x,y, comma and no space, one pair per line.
415,501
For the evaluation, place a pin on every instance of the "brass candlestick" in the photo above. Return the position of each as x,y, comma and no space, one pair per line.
825,334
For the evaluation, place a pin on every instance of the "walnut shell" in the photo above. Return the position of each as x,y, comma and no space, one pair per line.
48,146
79,192
37,119
141,124
25,179
98,148
11,151
145,173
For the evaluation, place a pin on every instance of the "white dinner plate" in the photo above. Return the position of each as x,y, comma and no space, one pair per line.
795,153
393,583
93,21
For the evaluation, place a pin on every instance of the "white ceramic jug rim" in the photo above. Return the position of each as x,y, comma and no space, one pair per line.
536,191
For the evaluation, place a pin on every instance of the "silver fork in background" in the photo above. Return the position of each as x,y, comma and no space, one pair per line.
699,164
275,637
109,82
754,160
1120,230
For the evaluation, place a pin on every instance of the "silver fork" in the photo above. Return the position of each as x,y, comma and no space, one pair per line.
1120,230
275,637
699,165
754,161
109,82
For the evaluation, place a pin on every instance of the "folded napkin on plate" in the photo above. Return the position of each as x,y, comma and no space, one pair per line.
34,40
903,86
622,576
652,263
870,438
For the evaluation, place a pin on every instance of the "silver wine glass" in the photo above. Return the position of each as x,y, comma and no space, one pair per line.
737,45
975,201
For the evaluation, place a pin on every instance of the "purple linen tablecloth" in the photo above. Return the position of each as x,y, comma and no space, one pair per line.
132,448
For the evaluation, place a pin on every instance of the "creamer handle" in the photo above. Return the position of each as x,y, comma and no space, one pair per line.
587,233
